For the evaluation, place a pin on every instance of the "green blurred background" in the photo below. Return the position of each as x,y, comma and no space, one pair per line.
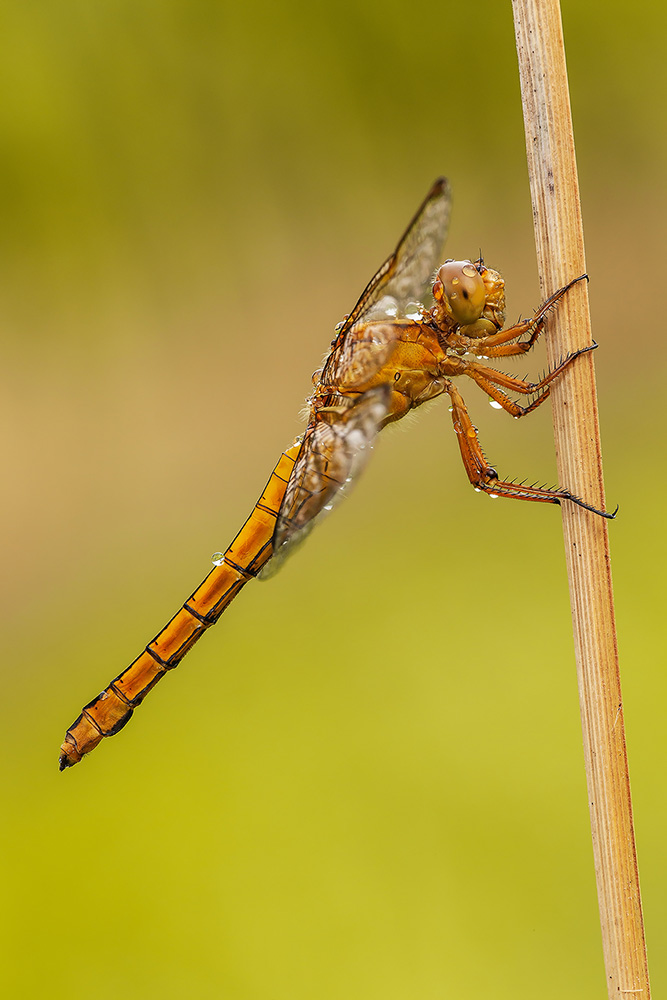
368,781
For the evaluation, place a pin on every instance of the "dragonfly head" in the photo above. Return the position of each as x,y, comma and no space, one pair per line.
459,292
469,296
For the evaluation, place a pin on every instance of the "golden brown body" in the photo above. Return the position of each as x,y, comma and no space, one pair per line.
391,354
250,550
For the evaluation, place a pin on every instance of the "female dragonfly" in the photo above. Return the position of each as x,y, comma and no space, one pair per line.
406,339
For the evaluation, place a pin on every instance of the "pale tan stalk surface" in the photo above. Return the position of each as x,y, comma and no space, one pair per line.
560,251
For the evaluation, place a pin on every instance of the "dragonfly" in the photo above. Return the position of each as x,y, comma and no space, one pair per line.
417,326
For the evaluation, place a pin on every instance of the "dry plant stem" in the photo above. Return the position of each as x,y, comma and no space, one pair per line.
560,252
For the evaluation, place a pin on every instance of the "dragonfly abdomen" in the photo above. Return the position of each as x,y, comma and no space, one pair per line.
252,548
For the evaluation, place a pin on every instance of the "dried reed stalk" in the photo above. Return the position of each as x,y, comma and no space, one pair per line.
560,251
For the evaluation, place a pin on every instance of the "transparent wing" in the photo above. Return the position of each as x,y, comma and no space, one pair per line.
401,284
335,449
337,442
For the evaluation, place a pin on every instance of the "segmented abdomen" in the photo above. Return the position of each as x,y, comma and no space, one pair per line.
249,552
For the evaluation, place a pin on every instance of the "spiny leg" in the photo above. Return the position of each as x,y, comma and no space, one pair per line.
493,382
498,344
485,478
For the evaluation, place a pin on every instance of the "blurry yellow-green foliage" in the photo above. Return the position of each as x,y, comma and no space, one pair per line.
367,782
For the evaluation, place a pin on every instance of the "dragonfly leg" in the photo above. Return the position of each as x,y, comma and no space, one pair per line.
484,477
499,345
493,382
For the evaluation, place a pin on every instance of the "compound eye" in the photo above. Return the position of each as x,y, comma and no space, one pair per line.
464,288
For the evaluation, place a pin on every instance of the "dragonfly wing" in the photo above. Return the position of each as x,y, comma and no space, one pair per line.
364,351
399,287
337,442
335,449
